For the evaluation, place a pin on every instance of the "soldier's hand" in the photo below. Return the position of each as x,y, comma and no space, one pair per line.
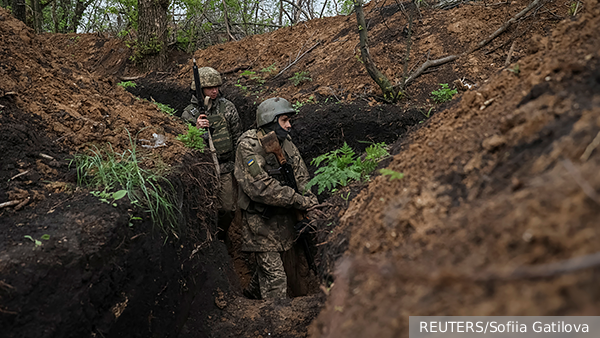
202,122
303,202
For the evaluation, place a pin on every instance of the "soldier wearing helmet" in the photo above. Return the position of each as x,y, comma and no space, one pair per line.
222,118
268,215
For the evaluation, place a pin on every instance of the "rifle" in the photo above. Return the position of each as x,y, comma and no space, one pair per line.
271,144
200,97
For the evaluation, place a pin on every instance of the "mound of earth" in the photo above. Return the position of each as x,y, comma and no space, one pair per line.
497,183
498,203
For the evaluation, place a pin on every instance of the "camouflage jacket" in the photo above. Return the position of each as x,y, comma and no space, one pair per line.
225,125
259,192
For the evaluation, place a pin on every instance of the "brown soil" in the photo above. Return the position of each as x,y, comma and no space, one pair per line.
489,186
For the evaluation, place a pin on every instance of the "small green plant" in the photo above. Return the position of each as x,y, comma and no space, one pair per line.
444,94
269,69
37,242
515,69
394,175
104,196
343,165
127,84
428,112
298,104
573,8
165,108
252,76
193,139
133,218
300,77
242,87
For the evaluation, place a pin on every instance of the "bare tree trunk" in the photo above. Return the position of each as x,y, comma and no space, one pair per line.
151,48
54,18
37,15
280,12
80,8
18,9
389,93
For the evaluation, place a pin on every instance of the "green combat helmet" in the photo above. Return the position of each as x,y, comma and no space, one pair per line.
209,77
268,111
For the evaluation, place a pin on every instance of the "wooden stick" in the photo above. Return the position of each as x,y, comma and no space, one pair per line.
22,204
510,52
9,203
505,26
590,148
430,63
297,59
20,174
585,186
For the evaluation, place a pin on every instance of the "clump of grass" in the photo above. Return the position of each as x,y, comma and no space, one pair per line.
107,170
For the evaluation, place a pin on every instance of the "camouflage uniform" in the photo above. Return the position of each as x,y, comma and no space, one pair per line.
263,195
226,129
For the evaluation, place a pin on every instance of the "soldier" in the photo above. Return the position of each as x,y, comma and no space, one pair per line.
268,206
224,122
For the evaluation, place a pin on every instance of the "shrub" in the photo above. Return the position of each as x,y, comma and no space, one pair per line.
342,166
193,139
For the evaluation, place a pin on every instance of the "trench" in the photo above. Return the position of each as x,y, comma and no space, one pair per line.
317,129
101,276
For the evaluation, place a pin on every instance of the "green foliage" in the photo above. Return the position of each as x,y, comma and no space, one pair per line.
300,77
347,7
394,175
573,8
165,108
104,196
428,112
37,242
271,69
106,170
127,84
193,139
298,104
443,94
252,76
515,69
241,86
142,50
342,166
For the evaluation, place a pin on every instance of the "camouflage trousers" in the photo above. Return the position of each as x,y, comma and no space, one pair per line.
269,280
227,197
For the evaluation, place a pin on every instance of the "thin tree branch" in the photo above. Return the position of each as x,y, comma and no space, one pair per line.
505,26
297,59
